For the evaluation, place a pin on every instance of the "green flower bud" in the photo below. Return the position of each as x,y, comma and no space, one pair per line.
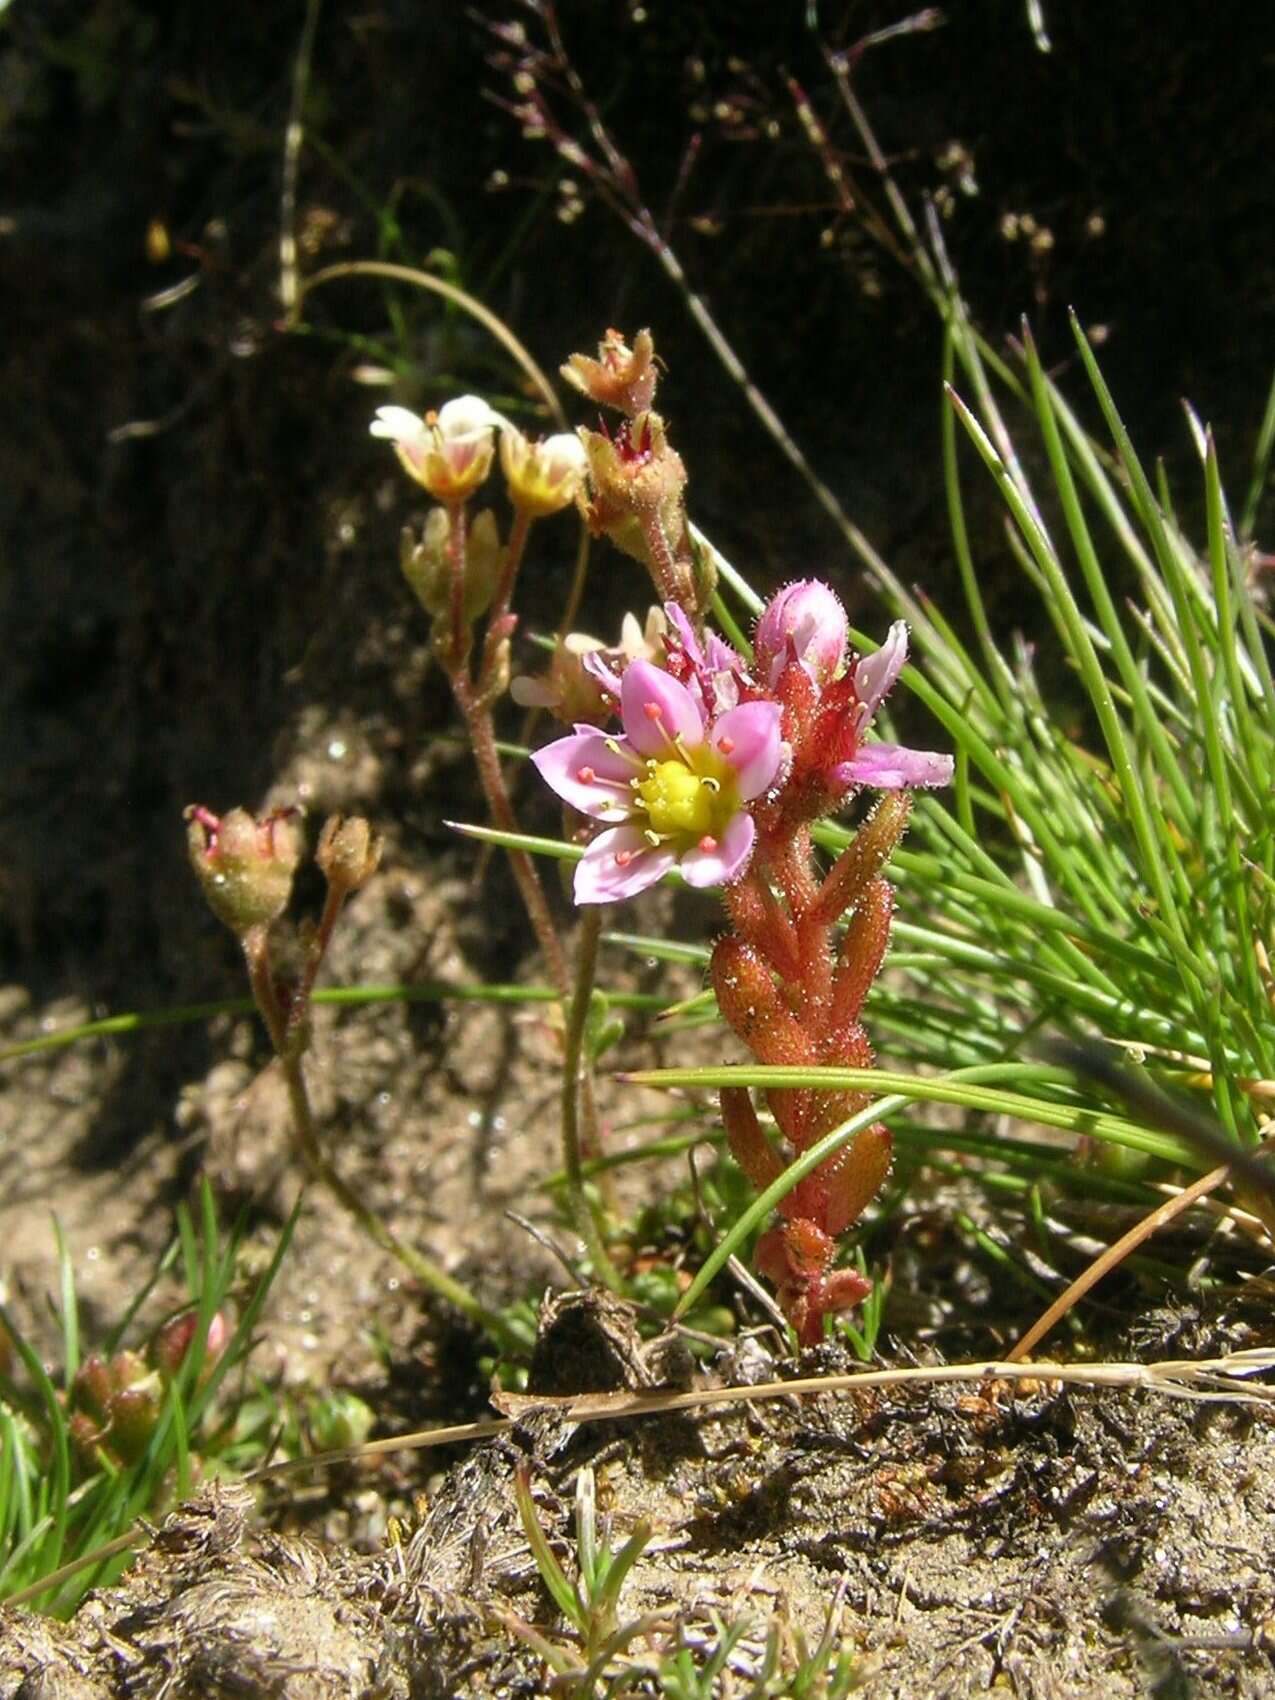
134,1414
244,866
339,1420
427,570
348,853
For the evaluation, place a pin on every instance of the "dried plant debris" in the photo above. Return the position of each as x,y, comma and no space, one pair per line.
1036,1539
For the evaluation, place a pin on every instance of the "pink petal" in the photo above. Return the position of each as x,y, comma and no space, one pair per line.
684,631
753,743
600,878
721,657
595,665
728,860
875,674
561,764
890,767
656,709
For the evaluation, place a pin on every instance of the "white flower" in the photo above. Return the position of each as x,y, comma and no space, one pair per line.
543,478
450,451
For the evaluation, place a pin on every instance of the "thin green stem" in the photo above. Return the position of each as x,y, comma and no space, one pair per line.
491,776
256,948
575,1069
299,1010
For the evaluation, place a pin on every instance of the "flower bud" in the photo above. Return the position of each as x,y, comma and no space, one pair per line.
245,866
583,680
633,474
170,1346
543,478
340,1420
92,1388
426,567
806,623
450,451
620,377
134,1414
86,1436
348,852
568,690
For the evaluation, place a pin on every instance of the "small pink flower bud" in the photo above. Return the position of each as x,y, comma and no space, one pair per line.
806,623
170,1346
245,866
92,1388
86,1437
348,853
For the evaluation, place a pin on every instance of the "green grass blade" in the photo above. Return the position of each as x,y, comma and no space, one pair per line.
971,1089
1261,466
70,1307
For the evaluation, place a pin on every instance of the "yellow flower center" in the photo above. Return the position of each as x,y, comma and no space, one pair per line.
682,802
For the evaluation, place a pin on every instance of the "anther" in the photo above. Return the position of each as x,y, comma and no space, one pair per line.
713,784
726,745
586,775
623,858
708,844
652,711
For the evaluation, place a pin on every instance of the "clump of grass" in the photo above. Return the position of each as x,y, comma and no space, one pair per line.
1105,872
69,1511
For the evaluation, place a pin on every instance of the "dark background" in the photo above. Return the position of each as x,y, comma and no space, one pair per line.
199,535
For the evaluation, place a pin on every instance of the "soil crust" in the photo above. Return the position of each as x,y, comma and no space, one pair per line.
1044,1541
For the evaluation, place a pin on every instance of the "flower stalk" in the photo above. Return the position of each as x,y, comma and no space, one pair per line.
577,1097
719,770
246,868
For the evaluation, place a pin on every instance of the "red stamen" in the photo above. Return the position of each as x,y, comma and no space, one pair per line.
726,745
623,858
708,844
585,775
652,711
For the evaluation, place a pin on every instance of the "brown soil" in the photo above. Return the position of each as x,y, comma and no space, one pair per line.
1044,1543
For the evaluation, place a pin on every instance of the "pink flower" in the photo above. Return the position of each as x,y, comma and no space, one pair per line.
885,767
671,789
711,671
805,623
